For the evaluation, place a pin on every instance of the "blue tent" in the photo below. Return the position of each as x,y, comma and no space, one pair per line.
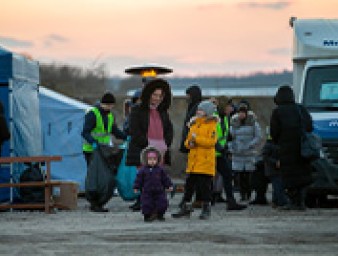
19,79
62,121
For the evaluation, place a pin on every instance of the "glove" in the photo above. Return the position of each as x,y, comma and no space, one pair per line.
94,145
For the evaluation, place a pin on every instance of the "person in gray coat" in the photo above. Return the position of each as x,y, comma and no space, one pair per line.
246,137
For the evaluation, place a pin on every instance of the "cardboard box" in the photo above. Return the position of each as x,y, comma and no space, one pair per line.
65,195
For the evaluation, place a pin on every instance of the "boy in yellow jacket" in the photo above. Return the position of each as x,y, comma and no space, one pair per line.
200,170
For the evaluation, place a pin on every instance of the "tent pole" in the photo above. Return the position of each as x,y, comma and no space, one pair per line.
11,145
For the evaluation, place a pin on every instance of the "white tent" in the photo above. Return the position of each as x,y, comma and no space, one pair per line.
62,122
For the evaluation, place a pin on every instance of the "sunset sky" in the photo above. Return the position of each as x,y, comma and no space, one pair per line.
194,37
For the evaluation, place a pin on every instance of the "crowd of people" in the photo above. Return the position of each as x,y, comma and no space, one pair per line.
225,146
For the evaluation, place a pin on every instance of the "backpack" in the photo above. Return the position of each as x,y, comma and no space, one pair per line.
32,194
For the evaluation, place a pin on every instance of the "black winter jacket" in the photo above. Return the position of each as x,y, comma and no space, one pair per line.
285,129
195,94
139,122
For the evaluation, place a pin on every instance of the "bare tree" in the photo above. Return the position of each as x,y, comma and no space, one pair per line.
87,85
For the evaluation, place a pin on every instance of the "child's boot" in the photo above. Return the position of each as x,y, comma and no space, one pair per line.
160,217
206,211
150,217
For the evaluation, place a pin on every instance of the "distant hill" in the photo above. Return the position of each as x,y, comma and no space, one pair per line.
121,86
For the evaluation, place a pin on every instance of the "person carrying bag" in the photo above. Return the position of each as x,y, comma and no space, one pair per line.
310,143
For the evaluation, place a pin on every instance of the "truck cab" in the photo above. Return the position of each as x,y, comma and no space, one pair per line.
315,77
320,96
315,83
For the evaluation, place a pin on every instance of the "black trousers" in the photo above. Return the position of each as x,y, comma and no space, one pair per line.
93,196
88,157
224,169
201,183
245,188
259,181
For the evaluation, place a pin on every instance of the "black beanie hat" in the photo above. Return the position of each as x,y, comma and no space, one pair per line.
108,98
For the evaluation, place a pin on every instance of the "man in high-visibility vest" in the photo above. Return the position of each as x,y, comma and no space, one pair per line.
99,126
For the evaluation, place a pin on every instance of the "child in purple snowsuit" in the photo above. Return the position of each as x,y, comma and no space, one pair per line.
152,181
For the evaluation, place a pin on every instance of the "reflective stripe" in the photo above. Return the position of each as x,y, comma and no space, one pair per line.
222,135
99,134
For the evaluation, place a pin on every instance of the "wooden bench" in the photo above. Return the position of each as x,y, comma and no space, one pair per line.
48,184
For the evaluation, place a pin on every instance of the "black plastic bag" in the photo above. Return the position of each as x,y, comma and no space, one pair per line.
100,179
310,143
325,174
310,146
32,194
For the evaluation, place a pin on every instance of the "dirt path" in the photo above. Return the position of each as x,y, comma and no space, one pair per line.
255,231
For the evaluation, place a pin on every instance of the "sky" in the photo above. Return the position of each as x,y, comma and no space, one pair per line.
193,37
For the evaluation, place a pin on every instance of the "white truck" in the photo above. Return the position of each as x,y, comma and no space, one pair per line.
315,77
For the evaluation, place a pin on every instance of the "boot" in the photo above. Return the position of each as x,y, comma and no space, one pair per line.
291,205
160,217
97,208
259,200
150,217
220,199
184,211
296,201
233,206
206,211
197,204
136,206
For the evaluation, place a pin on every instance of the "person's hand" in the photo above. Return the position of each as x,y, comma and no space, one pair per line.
191,143
191,121
135,190
170,189
94,145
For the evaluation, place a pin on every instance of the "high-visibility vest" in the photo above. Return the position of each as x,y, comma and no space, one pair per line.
99,133
222,133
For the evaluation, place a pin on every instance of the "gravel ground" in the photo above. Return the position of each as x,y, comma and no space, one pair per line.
258,230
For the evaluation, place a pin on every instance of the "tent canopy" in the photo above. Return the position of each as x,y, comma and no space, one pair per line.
62,121
15,66
19,79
